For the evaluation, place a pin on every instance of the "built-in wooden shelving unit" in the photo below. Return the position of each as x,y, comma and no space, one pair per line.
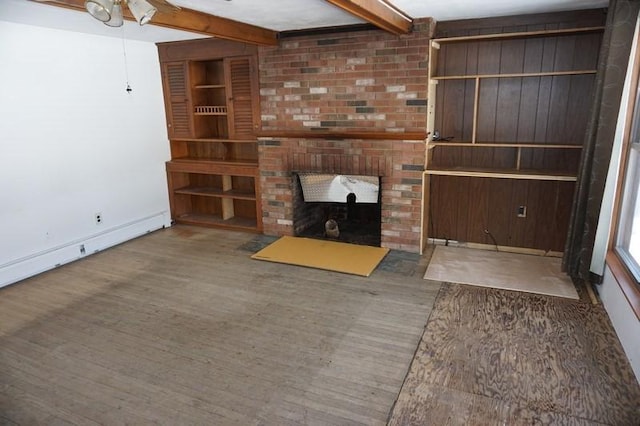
506,116
515,171
212,108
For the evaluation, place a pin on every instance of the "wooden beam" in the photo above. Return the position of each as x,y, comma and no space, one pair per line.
379,12
194,21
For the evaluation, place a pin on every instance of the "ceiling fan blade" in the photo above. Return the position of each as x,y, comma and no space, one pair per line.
164,6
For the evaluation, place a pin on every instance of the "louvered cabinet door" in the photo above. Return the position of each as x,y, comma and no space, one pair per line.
176,87
243,107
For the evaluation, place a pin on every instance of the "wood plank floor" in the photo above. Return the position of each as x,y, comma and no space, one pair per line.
182,327
497,357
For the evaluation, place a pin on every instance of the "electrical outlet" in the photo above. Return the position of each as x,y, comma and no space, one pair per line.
82,250
98,217
522,211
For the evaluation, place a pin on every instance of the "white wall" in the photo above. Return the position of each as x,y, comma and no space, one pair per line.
623,319
73,143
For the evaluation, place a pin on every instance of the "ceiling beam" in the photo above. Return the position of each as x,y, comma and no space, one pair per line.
194,21
379,12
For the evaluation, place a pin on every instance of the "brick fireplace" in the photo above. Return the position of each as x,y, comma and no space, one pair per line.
317,91
398,163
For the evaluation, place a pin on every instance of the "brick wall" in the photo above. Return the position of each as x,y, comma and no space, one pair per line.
358,81
361,80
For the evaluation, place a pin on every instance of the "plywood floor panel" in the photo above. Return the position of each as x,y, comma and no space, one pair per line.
492,356
182,327
448,407
509,271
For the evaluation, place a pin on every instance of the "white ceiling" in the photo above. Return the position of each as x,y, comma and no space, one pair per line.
283,15
279,15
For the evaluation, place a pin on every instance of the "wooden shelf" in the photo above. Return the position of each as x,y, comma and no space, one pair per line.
523,34
321,134
209,86
193,160
514,75
504,174
503,145
229,167
240,223
214,140
215,192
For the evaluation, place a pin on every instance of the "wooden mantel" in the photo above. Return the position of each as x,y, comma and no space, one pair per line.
322,134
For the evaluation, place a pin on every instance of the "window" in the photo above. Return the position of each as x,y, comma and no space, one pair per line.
627,244
623,256
628,239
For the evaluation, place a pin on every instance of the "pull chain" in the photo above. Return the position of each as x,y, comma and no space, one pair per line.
126,66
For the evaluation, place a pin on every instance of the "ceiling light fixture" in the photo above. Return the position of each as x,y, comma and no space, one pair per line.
142,10
116,15
110,11
99,9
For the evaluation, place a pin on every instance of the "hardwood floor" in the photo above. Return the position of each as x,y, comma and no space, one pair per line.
182,327
497,357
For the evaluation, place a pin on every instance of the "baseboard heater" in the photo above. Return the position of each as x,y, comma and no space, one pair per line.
42,261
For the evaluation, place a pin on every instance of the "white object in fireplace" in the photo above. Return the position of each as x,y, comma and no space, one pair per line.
330,188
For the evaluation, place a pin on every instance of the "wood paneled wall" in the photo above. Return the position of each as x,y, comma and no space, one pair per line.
462,209
545,110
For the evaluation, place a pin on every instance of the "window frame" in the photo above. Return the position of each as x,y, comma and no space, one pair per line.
624,269
629,194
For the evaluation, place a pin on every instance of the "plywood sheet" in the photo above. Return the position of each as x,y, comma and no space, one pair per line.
509,271
495,357
322,254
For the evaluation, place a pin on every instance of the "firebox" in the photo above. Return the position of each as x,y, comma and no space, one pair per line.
344,208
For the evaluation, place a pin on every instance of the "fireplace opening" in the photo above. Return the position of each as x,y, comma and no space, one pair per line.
344,208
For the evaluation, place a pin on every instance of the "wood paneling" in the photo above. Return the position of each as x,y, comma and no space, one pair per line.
462,208
569,19
512,109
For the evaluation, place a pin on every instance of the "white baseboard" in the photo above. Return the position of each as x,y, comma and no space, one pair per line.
36,263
